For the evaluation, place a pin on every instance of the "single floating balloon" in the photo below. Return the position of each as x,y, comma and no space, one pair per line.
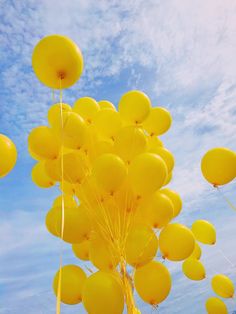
134,107
57,61
219,166
103,293
176,242
8,155
153,282
204,232
158,122
73,279
216,306
193,269
223,286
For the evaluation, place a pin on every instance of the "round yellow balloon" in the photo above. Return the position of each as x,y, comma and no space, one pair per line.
67,199
147,173
204,232
223,286
87,108
103,293
73,279
193,269
153,142
55,113
157,210
44,143
107,123
153,282
216,306
8,155
141,246
197,252
134,107
40,177
166,155
110,172
175,199
53,169
75,167
219,166
57,61
81,250
158,122
176,242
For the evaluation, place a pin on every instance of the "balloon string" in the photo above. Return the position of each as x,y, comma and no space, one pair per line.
225,198
58,307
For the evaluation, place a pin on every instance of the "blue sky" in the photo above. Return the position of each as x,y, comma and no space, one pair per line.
182,54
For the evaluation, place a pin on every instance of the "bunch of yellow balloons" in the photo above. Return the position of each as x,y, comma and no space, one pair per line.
8,155
112,169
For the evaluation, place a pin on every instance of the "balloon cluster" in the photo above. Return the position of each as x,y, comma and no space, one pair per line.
8,155
115,209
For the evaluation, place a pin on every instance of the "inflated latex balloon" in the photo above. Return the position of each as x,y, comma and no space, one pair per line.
53,169
168,178
157,210
55,113
66,199
129,142
103,293
75,167
219,166
105,104
204,232
102,253
87,108
175,199
77,225
67,187
197,252
57,61
166,155
108,122
153,282
176,242
51,222
40,177
147,173
223,286
153,142
134,107
8,155
104,147
216,306
73,279
141,246
110,172
44,143
81,250
158,121
193,269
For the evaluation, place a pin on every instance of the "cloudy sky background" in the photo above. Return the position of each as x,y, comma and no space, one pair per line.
182,54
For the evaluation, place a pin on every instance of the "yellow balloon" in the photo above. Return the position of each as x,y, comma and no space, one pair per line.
153,142
166,155
66,199
110,172
81,250
67,187
223,286
104,147
176,242
175,199
51,222
107,122
105,104
153,282
219,166
44,143
57,61
204,232
129,142
193,269
216,306
197,252
141,246
75,167
55,113
103,293
40,177
87,108
157,210
8,155
168,178
147,173
134,106
73,279
102,254
53,169
158,121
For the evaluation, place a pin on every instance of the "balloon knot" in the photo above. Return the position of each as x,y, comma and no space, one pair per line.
61,75
215,185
